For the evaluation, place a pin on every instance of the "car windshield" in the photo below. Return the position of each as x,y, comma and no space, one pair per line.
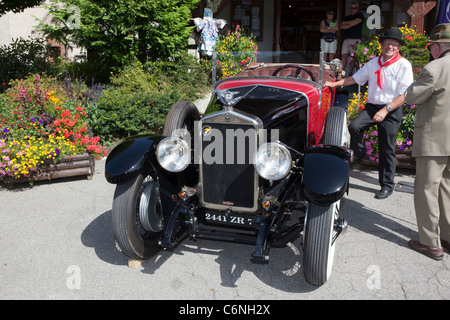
229,64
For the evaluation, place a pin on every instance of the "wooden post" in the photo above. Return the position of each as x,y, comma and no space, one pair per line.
417,10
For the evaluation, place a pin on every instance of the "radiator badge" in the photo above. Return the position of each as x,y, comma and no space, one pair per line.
227,117
206,131
228,203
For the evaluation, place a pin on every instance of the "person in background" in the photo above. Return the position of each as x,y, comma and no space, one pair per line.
352,33
328,40
431,147
388,77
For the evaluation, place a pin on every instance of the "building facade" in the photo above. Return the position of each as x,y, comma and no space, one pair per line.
293,25
24,24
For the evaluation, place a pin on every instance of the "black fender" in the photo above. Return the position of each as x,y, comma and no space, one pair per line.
131,156
127,159
326,173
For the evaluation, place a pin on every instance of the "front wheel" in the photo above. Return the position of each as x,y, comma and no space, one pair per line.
319,242
137,217
336,132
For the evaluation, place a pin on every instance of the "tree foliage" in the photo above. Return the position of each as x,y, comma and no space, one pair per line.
17,5
122,29
21,58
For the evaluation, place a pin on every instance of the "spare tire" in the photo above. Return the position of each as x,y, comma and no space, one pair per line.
182,115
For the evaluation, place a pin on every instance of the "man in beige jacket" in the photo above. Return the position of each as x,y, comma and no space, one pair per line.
431,95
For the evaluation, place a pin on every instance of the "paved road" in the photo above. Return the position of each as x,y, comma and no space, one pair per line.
56,243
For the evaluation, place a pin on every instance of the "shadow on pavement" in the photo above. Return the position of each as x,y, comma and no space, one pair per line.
283,272
386,226
99,236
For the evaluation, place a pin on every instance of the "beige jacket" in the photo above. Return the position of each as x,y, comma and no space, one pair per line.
431,95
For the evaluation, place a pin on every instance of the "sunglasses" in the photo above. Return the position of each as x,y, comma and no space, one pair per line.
394,44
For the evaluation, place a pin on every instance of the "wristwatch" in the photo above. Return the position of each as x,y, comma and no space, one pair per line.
388,108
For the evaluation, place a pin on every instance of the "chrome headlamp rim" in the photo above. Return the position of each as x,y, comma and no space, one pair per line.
169,161
284,167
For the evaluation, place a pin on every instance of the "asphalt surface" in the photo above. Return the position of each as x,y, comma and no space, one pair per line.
56,243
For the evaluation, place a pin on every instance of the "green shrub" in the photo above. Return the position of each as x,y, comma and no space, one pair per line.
122,115
139,97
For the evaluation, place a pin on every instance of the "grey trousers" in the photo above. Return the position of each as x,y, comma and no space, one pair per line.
432,199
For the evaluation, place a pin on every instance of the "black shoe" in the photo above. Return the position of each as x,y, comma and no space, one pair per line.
383,194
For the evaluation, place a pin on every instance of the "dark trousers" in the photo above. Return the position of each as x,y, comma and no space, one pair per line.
387,135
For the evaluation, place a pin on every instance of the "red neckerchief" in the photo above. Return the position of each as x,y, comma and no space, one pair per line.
387,63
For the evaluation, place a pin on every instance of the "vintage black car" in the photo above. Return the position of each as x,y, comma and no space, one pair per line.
266,163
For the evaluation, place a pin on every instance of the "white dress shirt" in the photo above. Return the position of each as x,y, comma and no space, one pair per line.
396,78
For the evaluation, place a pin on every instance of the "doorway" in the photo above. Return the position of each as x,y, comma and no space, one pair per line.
299,24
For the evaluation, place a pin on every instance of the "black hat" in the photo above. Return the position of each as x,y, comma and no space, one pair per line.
395,34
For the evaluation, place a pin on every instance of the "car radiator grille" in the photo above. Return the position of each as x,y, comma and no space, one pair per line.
228,175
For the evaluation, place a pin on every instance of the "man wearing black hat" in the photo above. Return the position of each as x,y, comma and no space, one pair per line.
388,77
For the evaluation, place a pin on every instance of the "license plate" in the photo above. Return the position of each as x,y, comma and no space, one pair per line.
228,219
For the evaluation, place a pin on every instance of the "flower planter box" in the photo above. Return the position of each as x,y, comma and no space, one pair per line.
404,160
69,166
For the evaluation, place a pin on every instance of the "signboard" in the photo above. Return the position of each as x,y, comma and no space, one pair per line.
444,12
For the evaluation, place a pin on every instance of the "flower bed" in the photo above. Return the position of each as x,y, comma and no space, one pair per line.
40,127
69,166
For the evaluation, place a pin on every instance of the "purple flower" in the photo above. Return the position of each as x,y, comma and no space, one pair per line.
6,130
57,151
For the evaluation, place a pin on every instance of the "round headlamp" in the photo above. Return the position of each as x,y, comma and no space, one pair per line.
272,161
173,154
